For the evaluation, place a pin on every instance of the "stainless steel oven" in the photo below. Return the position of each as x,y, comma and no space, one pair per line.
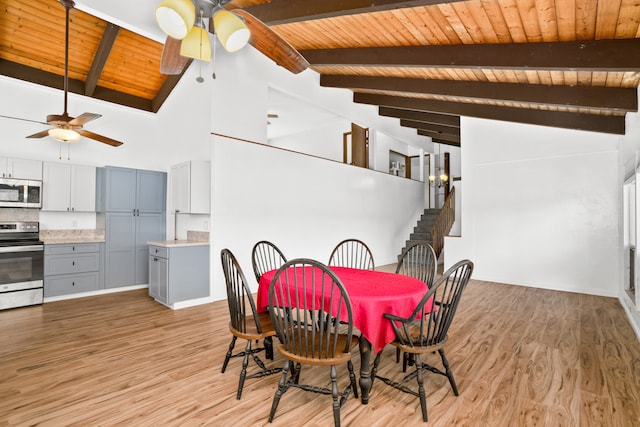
21,264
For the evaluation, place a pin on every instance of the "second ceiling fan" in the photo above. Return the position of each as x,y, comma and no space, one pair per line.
184,23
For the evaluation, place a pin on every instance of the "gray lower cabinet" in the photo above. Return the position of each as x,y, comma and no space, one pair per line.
178,273
127,250
72,268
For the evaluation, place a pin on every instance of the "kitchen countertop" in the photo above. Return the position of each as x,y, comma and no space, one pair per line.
58,237
68,240
178,243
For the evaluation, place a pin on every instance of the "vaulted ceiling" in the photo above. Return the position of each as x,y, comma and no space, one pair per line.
564,63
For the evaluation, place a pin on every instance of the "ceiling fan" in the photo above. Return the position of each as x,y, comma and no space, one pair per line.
67,128
184,23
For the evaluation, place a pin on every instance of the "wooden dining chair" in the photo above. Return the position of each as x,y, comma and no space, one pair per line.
305,300
246,323
417,260
265,256
425,330
352,253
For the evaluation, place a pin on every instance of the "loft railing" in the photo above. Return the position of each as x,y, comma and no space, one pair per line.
444,222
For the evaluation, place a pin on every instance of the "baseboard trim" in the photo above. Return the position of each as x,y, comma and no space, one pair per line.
93,293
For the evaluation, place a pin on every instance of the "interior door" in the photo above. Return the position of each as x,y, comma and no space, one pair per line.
359,146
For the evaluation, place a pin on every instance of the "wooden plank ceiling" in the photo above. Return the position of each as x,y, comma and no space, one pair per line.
565,63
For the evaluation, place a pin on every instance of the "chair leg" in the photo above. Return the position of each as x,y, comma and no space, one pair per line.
405,361
282,387
421,393
397,355
445,363
296,376
352,377
335,394
243,372
229,352
268,348
376,362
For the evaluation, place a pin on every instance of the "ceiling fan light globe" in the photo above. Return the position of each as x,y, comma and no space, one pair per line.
176,17
196,45
231,30
64,135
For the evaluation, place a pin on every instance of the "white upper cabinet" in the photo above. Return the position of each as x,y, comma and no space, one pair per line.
191,187
20,168
68,188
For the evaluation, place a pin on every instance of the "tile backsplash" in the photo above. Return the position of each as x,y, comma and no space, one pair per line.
198,236
19,214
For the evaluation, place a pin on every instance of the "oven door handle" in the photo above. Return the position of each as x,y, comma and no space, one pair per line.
5,250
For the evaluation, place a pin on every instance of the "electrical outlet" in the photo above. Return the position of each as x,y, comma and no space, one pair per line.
74,224
206,226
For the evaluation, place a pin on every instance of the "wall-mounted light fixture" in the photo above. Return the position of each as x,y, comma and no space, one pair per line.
440,181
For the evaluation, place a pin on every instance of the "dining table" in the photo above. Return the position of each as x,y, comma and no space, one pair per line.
372,294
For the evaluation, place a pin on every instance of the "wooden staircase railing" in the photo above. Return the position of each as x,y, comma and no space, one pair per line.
444,222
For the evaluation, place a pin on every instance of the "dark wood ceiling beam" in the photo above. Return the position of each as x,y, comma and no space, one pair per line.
561,119
614,98
288,11
55,81
428,126
100,58
453,139
34,75
121,98
443,142
421,116
166,88
593,55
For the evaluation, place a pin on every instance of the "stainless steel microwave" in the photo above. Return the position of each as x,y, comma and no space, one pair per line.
20,193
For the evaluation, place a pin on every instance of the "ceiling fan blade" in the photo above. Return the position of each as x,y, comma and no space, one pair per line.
271,45
100,138
84,118
24,120
172,62
40,134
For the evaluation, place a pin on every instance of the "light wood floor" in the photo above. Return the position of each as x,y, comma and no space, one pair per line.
521,357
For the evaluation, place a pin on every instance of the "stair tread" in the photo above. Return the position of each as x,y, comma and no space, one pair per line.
422,230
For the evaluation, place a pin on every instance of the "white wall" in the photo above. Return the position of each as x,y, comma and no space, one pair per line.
541,207
303,204
323,141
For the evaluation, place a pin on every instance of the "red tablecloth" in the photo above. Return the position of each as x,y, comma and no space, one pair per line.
372,293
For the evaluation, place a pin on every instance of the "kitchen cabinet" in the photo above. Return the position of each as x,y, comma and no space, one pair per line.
126,190
20,168
178,273
191,187
132,206
72,268
68,188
